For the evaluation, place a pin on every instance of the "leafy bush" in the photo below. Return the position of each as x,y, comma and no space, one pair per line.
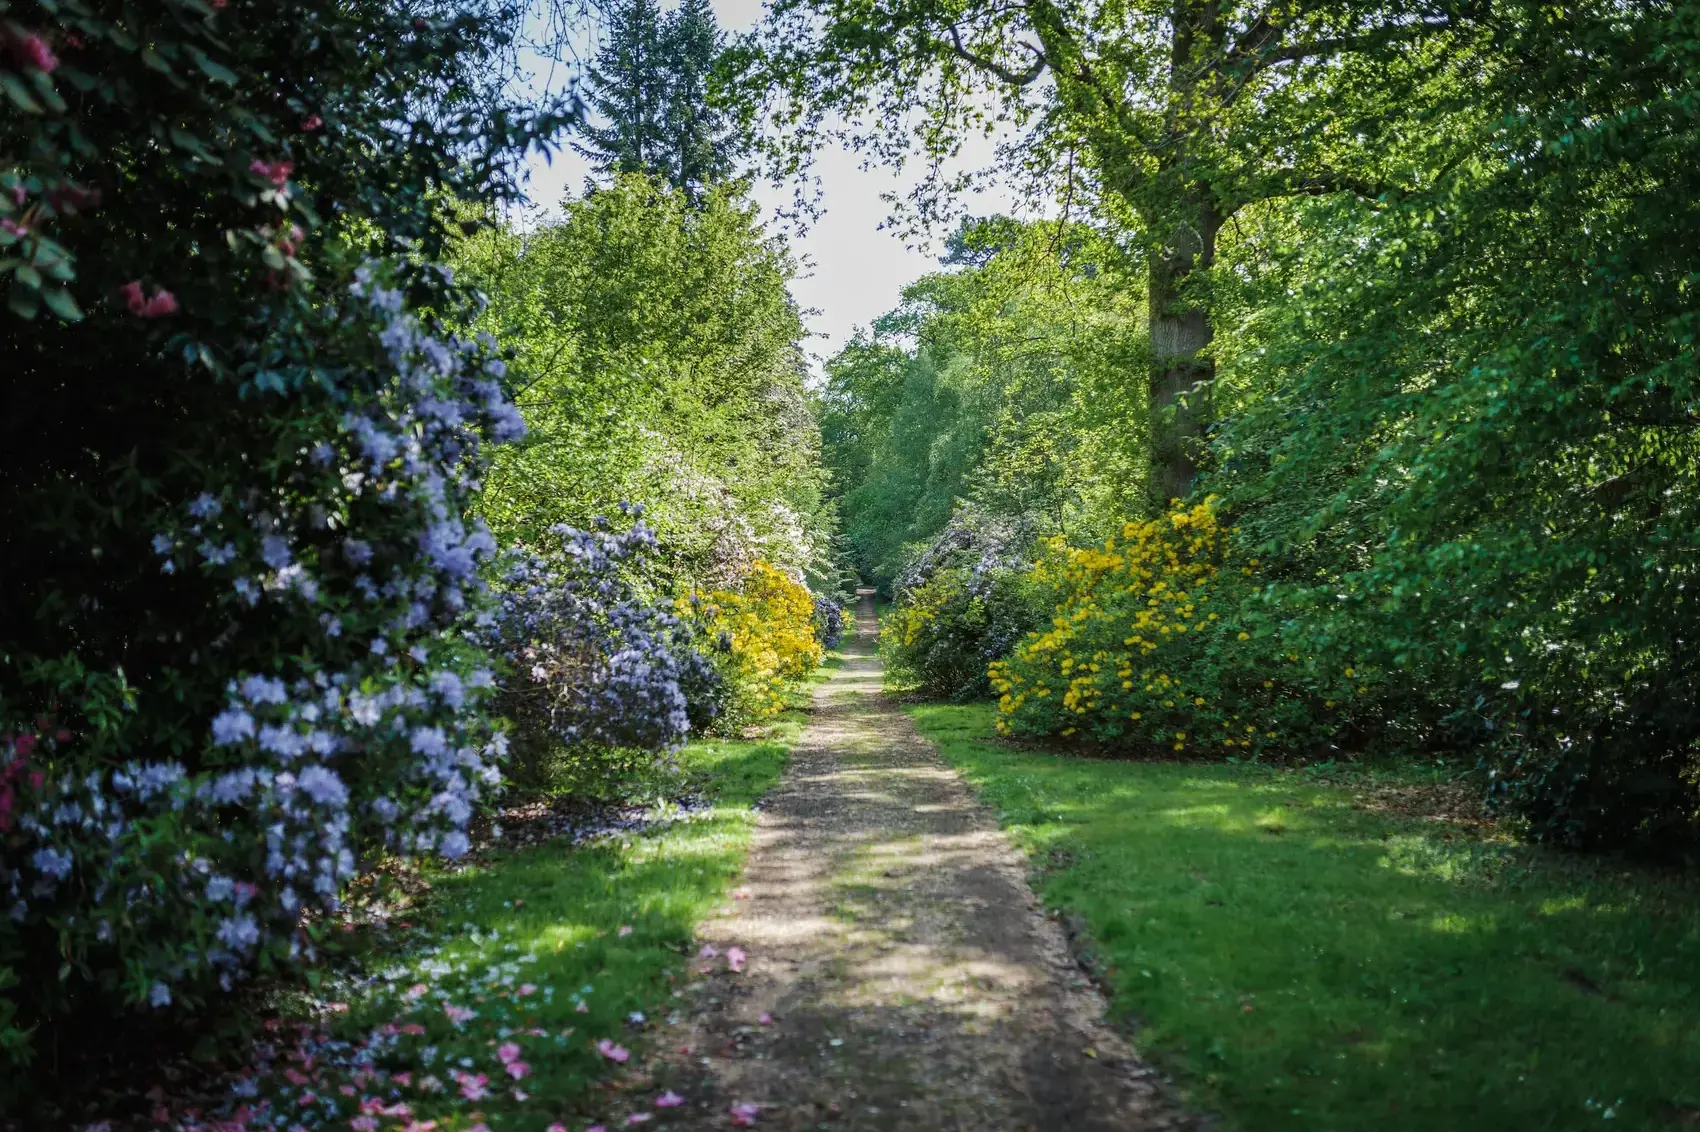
765,633
829,622
1466,434
594,666
961,603
1157,640
237,580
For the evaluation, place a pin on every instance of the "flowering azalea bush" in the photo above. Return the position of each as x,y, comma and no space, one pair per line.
1156,640
594,666
829,622
961,603
765,634
238,584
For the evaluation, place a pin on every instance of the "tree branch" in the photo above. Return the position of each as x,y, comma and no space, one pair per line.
1013,78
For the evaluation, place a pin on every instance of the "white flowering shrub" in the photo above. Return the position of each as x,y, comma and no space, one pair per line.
341,589
596,667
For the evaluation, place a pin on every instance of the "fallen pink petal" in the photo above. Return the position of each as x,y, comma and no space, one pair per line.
735,958
669,1099
708,951
744,1114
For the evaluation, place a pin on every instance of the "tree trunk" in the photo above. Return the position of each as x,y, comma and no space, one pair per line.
1179,393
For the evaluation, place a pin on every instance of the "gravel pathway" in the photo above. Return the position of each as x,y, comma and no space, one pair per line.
900,973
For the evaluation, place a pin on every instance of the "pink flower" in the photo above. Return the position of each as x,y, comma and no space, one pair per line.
12,227
32,53
518,1069
735,958
744,1114
420,1126
708,951
669,1099
612,1052
277,172
457,1013
625,930
311,122
410,1028
403,1079
472,1087
162,304
417,990
132,295
526,988
508,1052
364,1124
596,1128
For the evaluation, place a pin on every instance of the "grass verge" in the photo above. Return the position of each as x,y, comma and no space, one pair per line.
523,982
1300,963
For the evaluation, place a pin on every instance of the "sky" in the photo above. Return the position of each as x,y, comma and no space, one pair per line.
854,270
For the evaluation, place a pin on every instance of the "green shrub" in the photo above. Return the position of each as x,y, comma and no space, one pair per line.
237,581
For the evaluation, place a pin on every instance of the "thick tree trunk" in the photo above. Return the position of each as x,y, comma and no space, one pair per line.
1179,394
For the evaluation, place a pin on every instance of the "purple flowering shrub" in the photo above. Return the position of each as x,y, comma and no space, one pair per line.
597,668
235,582
829,622
340,594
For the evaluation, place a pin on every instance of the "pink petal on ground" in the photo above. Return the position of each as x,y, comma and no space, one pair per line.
508,1051
708,951
625,929
669,1099
766,1019
744,1115
640,1118
735,958
556,1127
741,894
705,968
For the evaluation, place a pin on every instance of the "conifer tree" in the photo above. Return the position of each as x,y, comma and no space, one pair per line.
701,145
628,90
649,86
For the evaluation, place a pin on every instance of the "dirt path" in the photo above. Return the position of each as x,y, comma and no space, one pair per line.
908,977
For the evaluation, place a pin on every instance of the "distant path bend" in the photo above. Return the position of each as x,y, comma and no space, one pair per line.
910,977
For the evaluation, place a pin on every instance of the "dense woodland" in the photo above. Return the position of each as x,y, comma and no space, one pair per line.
1331,400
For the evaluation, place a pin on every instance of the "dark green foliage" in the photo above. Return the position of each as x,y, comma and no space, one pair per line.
203,182
1468,426
650,84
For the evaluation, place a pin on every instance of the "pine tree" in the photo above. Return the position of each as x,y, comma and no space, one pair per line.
649,85
700,144
627,87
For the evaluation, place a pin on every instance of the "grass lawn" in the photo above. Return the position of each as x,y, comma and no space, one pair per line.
534,957
1297,962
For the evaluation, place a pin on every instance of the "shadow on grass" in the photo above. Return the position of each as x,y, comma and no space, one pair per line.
1300,963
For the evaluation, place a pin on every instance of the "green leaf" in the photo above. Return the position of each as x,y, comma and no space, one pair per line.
213,69
18,93
62,304
151,59
24,302
28,276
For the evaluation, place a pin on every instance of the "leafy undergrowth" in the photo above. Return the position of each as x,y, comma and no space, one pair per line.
524,984
1324,951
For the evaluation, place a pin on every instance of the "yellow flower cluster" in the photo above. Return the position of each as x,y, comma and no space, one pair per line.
1131,616
769,627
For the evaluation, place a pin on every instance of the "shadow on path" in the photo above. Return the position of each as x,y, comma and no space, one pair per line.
910,978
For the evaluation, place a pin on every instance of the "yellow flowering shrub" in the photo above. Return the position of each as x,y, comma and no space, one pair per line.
1157,639
765,633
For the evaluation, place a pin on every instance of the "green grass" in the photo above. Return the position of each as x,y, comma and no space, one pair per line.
1298,963
549,917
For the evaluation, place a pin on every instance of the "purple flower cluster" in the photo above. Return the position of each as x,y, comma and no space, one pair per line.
373,735
594,662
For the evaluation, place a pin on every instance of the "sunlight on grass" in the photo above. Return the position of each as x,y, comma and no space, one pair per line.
1300,963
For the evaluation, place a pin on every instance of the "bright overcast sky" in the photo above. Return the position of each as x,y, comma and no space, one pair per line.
857,269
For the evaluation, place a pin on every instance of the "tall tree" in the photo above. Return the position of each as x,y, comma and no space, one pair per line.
627,87
1172,115
702,149
650,84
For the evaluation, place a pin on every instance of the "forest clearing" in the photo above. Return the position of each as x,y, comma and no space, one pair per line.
863,564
